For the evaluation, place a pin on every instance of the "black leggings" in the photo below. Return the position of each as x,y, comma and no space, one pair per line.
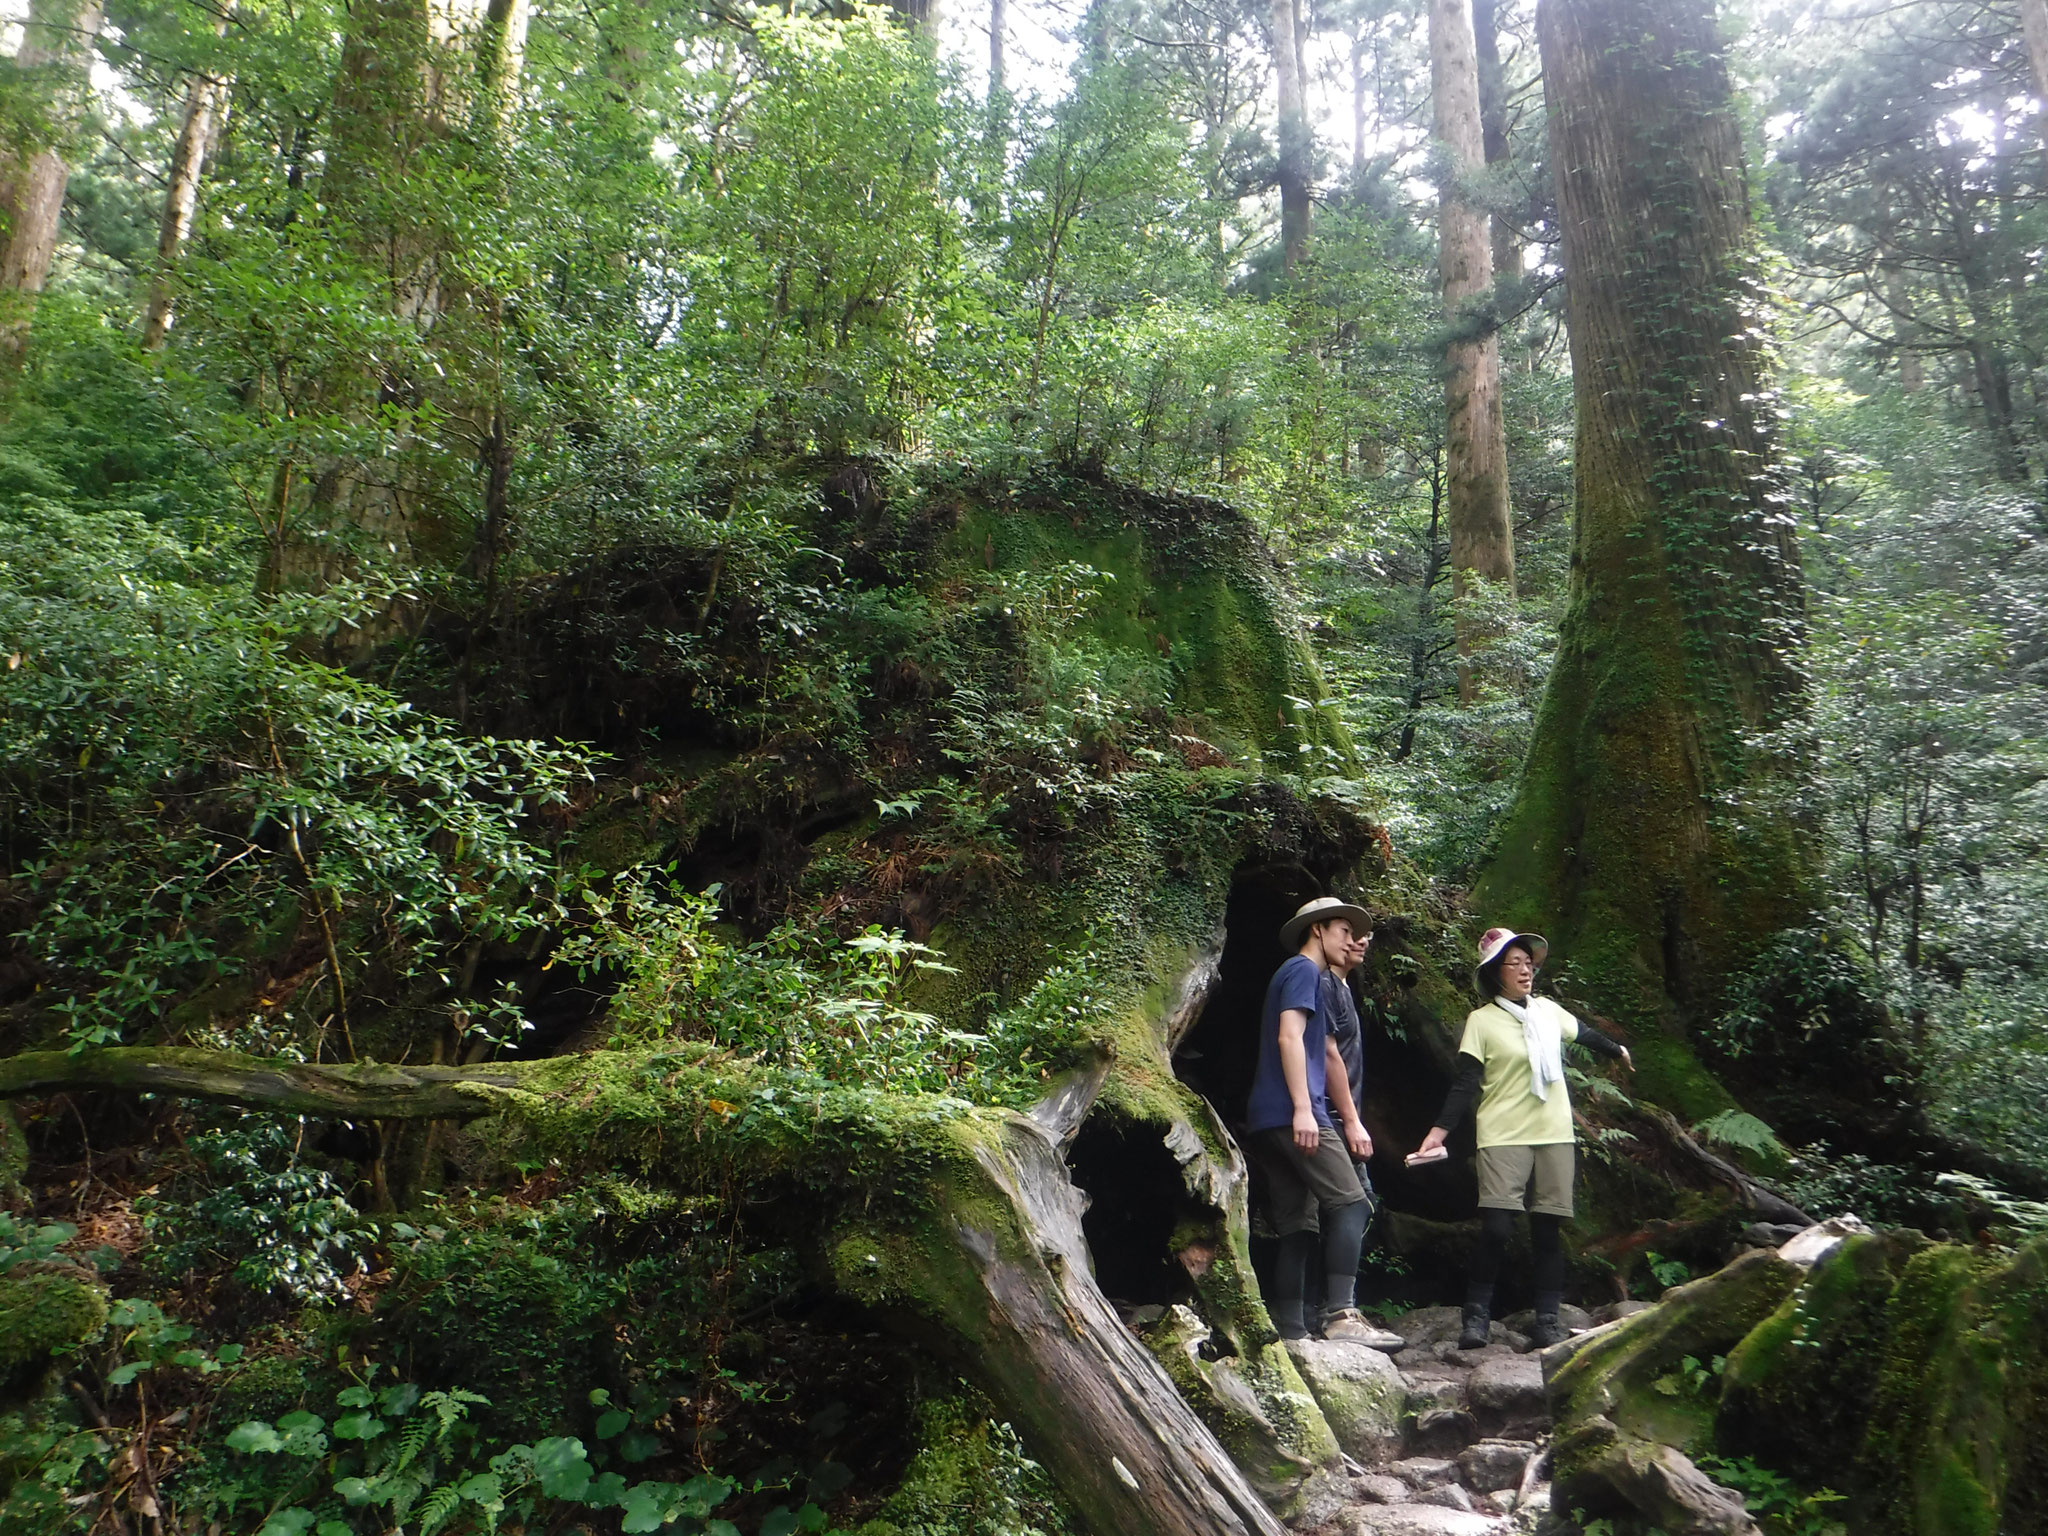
1546,1240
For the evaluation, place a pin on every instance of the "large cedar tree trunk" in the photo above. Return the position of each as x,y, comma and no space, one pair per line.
50,70
1475,431
1679,641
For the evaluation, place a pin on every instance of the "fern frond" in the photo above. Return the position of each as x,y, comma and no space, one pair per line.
1745,1133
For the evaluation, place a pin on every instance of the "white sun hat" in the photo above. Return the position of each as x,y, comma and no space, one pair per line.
1321,910
1495,941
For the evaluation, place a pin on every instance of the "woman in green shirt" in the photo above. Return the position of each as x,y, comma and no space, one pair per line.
1511,1061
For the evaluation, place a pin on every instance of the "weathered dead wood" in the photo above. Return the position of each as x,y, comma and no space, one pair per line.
981,1250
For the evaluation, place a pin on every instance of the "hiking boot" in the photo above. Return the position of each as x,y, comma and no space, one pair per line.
1476,1327
1547,1331
1349,1327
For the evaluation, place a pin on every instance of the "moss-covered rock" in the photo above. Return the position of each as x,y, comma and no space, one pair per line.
1633,1400
43,1315
1360,1392
1797,1391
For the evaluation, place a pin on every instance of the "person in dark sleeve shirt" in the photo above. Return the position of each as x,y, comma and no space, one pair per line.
1511,1065
1317,1203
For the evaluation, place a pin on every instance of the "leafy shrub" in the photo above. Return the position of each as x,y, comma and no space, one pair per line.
813,1002
283,1223
150,703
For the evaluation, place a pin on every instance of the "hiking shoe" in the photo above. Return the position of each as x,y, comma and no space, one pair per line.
1476,1328
1547,1331
1349,1327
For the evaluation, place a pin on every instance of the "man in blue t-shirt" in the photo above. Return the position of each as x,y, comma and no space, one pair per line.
1317,1203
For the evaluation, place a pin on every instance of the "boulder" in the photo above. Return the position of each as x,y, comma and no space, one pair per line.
1417,1520
1446,1496
1380,1488
1359,1390
1509,1386
1441,1432
1499,1502
1427,1325
1427,1392
1821,1239
1420,1472
1491,1465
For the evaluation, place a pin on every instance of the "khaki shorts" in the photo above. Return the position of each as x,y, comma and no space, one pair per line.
1505,1174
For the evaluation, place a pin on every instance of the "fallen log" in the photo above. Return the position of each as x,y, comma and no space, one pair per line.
949,1216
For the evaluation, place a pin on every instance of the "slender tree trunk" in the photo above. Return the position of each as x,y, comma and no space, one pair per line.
1493,127
1679,641
1358,106
1476,445
51,79
206,107
2034,23
998,24
1295,144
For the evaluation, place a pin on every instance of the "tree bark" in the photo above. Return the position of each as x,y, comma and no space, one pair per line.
1493,127
2034,23
51,70
1680,638
1294,141
1475,433
964,1221
206,106
998,24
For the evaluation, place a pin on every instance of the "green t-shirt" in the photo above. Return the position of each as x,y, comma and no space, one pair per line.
1510,1114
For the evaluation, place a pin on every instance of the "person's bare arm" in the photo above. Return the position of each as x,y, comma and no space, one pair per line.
1357,1140
1308,1131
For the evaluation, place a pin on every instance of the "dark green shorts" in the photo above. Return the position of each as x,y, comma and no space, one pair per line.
1299,1184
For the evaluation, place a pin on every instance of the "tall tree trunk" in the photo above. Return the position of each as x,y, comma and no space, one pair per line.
51,79
2034,23
1493,126
1476,444
1685,613
412,75
206,107
1294,141
998,24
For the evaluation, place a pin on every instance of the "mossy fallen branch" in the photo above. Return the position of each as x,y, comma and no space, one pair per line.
351,1091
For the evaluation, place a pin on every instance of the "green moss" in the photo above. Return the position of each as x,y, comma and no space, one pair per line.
42,1316
970,1474
1668,1073
1796,1392
1632,1376
1191,582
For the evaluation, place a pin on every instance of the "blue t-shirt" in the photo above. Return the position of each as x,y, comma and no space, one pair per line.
1297,984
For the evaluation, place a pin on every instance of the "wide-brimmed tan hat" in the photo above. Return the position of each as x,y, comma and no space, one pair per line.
1495,941
1321,910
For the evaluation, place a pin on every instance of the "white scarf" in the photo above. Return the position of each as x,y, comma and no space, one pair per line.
1545,1046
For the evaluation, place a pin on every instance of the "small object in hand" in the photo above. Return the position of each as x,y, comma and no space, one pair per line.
1435,1155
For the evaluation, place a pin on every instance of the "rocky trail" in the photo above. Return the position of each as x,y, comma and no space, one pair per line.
1438,1441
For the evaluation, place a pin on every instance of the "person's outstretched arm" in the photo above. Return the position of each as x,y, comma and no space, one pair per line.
1457,1103
1604,1045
